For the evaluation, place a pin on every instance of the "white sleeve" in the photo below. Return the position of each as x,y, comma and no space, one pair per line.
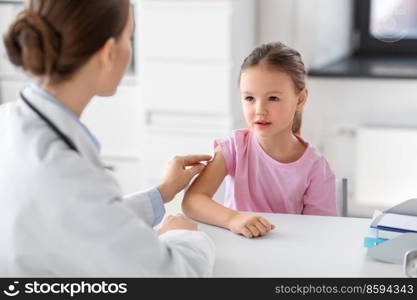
120,244
147,205
200,256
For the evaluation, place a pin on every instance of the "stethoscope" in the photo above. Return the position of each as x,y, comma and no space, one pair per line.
63,137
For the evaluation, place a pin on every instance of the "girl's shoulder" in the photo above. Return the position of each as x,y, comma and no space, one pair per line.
238,139
312,154
315,160
233,148
241,136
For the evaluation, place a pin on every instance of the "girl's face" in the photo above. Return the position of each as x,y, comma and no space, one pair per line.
269,100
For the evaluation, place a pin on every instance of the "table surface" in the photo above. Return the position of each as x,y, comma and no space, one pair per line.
300,246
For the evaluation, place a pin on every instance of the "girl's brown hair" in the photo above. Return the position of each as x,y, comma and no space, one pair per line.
283,58
54,38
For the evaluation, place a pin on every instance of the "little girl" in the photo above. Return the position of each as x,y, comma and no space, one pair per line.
268,167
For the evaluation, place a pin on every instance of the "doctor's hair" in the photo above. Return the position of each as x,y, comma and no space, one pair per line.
54,38
278,56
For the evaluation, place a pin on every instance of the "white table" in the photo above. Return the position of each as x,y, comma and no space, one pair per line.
300,246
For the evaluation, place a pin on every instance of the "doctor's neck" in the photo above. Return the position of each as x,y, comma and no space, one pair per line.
74,93
74,98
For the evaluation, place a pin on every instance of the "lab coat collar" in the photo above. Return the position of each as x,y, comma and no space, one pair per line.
66,123
37,89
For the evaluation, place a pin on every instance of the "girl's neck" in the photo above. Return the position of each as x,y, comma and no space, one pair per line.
285,147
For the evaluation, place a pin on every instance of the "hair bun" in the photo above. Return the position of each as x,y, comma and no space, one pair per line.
32,44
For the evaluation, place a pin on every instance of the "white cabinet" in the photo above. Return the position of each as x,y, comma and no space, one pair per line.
190,30
190,56
117,122
187,86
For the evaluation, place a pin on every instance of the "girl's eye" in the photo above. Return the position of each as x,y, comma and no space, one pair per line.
249,98
273,98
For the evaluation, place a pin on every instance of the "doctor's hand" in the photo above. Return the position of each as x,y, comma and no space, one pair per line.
249,225
176,222
180,171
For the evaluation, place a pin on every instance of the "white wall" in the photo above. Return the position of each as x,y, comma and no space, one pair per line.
276,20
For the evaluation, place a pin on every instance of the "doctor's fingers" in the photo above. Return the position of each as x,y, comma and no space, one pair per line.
189,160
168,217
176,216
195,170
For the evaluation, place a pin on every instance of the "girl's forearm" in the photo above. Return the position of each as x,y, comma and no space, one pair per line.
202,208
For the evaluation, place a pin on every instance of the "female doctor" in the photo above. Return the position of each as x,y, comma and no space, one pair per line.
61,212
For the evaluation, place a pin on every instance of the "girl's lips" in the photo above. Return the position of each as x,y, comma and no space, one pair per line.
262,124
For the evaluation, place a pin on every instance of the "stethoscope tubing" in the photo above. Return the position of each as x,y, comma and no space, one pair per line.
62,136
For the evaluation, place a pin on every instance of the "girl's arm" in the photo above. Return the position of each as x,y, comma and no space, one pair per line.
199,205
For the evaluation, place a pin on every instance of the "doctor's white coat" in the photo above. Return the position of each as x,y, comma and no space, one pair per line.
63,214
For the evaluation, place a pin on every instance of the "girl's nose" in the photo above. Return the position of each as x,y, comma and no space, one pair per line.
260,109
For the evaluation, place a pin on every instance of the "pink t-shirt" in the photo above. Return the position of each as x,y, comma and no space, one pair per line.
258,183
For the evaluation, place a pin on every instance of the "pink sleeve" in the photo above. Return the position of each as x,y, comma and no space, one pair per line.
228,148
320,197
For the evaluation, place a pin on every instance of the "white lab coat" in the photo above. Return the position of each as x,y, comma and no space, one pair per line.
62,214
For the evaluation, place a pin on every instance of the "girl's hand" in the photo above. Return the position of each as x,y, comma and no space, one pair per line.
250,225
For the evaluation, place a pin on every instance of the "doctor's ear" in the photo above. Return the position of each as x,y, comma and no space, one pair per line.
302,99
106,54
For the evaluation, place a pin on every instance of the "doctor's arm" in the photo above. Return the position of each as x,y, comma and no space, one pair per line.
198,203
120,244
92,232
